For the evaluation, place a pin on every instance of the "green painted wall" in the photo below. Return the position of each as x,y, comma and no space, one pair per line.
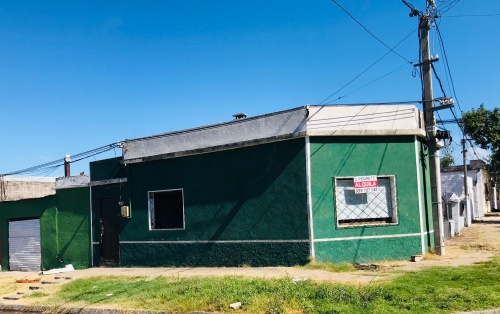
367,250
64,227
355,156
74,226
214,254
106,169
425,186
252,193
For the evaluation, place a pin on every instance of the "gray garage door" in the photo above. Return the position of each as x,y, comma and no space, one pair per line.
24,245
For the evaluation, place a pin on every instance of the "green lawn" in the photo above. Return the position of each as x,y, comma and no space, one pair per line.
433,290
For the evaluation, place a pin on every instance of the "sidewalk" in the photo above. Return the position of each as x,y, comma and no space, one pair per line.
359,277
356,278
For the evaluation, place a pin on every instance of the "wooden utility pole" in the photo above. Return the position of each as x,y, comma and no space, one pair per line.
430,124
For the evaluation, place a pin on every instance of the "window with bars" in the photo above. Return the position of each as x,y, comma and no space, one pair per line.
166,210
375,207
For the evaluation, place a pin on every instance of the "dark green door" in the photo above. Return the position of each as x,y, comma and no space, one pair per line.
110,232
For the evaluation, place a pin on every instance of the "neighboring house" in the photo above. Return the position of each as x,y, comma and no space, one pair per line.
457,213
275,189
44,222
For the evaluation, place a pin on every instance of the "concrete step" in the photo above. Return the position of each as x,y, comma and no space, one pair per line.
36,287
12,297
63,277
50,282
23,292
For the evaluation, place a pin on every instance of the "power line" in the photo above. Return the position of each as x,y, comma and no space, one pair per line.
456,120
439,80
35,169
472,15
383,103
51,166
373,35
365,70
447,6
474,149
453,89
448,66
380,77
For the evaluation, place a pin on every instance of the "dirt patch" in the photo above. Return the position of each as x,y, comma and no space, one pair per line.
371,267
476,243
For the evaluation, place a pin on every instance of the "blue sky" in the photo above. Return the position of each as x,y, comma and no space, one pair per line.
76,75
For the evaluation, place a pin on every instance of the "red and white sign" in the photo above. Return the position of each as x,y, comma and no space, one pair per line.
365,184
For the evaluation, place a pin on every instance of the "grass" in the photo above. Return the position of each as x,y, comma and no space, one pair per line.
431,257
8,285
433,290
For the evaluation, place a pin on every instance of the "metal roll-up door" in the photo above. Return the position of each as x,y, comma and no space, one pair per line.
24,245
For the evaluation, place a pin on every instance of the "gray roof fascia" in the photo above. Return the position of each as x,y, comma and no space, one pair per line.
315,120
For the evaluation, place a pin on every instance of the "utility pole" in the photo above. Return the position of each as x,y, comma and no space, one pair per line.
468,216
430,124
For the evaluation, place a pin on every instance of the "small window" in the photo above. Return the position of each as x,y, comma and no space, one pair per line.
377,206
166,210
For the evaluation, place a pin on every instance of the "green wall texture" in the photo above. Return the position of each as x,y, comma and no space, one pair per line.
425,188
241,206
357,156
107,169
74,226
249,205
64,227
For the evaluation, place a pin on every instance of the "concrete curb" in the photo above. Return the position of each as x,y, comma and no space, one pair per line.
80,310
84,310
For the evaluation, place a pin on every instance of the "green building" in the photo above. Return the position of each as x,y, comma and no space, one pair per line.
337,183
44,223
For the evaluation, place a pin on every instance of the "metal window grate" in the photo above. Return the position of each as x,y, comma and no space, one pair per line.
371,208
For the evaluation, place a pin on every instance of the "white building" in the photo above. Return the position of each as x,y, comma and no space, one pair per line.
457,213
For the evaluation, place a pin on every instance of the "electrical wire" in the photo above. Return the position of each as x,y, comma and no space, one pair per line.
452,83
365,70
447,67
368,31
50,167
35,169
472,15
447,6
380,77
439,80
474,150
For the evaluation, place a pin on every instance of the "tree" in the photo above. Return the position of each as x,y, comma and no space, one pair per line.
447,157
483,127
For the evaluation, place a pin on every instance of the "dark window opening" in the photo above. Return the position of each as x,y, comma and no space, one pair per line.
166,210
